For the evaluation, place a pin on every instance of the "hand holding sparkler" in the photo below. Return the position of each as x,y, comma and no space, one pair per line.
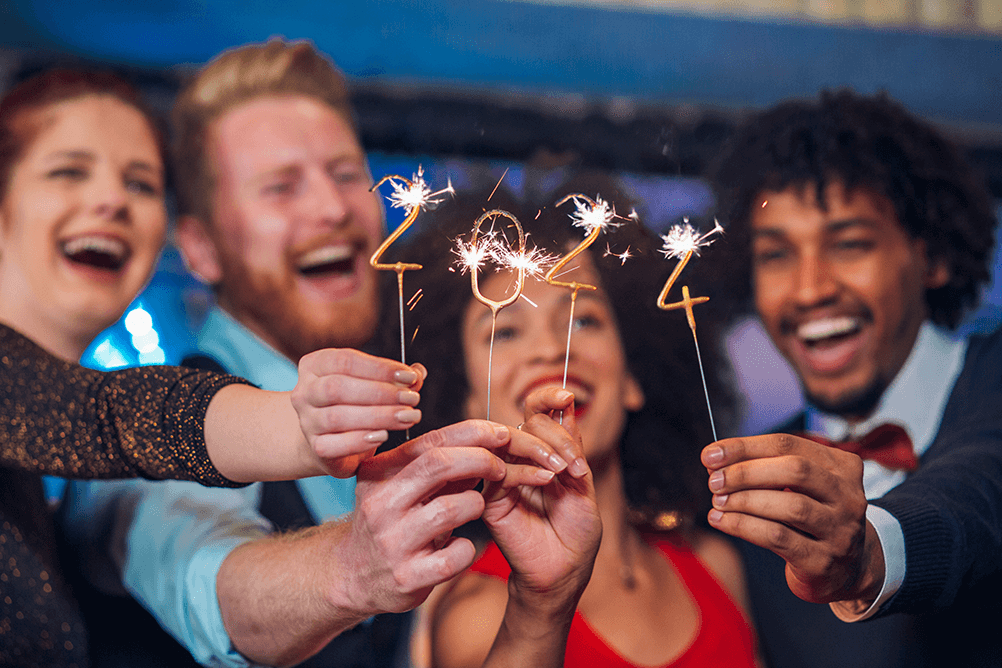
682,241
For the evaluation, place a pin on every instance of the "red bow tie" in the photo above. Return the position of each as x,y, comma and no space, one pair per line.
888,445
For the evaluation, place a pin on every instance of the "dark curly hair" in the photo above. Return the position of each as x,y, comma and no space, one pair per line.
871,142
660,447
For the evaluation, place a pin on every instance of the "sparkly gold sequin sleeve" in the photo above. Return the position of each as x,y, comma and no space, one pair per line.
62,419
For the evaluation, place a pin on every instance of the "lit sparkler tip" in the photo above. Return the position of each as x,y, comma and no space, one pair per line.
593,214
684,238
416,193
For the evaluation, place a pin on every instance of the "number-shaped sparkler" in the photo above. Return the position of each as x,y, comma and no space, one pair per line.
595,216
413,195
683,241
492,304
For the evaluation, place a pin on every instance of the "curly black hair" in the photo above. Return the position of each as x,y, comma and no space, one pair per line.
660,447
862,141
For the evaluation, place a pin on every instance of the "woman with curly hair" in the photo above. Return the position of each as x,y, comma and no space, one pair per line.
665,590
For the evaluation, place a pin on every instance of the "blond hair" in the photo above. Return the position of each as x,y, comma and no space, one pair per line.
277,67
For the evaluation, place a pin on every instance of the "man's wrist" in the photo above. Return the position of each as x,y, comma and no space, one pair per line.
884,570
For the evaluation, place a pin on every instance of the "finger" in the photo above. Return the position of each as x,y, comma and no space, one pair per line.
546,399
351,362
434,469
528,445
441,565
334,390
794,472
525,474
342,419
438,517
793,546
569,449
468,434
788,508
422,373
563,435
732,450
347,444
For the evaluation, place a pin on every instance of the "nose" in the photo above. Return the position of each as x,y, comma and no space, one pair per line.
549,344
328,204
816,284
110,198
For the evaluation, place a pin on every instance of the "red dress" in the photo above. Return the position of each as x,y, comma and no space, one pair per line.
724,638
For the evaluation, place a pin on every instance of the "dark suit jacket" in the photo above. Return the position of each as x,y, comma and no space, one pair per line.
950,510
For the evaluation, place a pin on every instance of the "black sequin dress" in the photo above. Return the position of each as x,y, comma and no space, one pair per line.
61,419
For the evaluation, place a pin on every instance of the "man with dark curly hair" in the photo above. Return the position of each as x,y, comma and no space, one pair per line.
861,236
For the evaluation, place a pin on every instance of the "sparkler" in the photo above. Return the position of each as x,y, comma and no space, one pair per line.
595,216
413,195
682,242
473,255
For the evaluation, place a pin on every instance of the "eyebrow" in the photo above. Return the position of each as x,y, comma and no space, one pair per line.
83,154
833,227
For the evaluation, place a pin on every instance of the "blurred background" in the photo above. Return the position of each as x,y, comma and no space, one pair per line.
646,89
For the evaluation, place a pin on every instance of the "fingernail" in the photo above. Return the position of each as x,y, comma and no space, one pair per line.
716,481
405,376
719,500
376,437
408,415
408,397
578,467
556,463
714,516
542,475
713,455
564,395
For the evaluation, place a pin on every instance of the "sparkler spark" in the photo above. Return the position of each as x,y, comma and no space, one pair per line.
684,239
414,193
623,257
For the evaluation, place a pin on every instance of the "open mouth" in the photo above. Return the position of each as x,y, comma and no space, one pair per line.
98,252
338,259
828,331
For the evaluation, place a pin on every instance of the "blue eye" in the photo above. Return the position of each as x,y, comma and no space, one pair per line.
505,334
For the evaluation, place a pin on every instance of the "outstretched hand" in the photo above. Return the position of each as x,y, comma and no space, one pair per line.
805,502
347,402
549,534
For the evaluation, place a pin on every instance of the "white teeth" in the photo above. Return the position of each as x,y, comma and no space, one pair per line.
821,329
325,255
100,244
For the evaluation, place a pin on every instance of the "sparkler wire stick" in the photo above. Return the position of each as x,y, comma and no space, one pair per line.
682,242
496,305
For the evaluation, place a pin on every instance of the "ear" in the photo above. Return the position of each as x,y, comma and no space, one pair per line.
198,249
633,395
937,274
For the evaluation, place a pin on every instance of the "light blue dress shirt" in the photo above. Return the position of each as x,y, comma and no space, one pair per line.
915,400
168,539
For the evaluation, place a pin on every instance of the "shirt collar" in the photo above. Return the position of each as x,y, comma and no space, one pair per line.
915,398
245,354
